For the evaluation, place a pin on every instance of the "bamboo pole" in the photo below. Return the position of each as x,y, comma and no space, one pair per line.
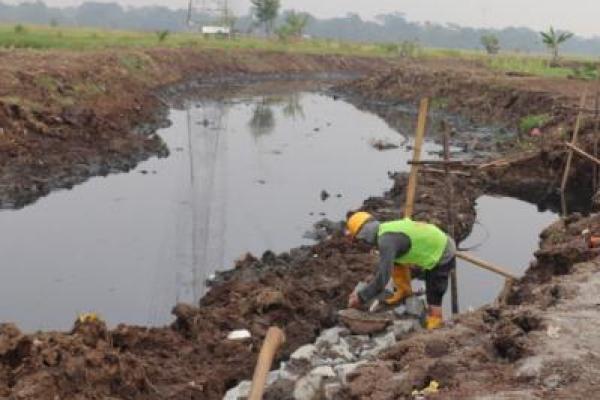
273,341
582,153
450,222
596,122
414,171
565,178
485,265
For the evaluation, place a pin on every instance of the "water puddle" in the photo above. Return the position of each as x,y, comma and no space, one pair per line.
243,175
501,236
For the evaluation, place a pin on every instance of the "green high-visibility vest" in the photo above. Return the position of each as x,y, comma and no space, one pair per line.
428,242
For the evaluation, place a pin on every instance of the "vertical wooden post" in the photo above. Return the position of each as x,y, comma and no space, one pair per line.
273,341
596,122
414,171
450,219
565,178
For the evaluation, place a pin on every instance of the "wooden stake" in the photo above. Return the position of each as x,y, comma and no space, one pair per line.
273,341
450,222
485,265
582,153
596,123
414,171
565,178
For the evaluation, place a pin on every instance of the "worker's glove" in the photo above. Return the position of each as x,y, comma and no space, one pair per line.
354,300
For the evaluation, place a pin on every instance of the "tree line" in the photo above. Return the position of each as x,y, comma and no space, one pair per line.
268,18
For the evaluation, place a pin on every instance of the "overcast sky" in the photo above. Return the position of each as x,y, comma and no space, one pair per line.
579,16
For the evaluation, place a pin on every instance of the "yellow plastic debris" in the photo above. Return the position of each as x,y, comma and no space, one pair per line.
431,389
88,317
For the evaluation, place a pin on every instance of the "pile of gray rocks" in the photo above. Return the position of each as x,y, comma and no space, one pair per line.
321,370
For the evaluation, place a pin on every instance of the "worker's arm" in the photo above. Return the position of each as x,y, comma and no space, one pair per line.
391,246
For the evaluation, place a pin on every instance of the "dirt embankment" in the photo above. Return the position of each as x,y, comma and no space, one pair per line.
66,116
539,341
517,103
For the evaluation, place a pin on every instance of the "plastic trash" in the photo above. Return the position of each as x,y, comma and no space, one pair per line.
240,334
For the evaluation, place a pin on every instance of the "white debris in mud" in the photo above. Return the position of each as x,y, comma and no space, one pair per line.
241,334
322,369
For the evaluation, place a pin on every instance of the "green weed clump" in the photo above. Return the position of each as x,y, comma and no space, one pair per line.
530,122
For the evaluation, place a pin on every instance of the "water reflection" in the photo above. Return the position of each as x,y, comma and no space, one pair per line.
263,120
292,106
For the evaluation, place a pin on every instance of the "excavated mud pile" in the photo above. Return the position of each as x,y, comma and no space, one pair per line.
540,340
474,92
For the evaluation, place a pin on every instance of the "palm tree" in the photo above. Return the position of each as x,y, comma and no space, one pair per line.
553,39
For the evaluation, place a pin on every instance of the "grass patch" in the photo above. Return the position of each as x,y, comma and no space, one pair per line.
81,39
531,65
526,124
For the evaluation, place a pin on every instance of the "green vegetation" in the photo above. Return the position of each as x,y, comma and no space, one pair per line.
47,37
265,12
490,43
162,35
553,39
527,65
587,72
530,122
19,29
294,26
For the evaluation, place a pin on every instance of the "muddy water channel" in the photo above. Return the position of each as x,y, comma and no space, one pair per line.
243,175
506,233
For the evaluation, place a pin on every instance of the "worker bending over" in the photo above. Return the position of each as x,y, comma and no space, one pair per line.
404,243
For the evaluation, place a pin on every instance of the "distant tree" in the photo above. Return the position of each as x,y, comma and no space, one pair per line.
553,39
297,22
294,26
491,43
54,22
265,12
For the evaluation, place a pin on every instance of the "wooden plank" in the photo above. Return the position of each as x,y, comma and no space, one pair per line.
273,341
441,171
582,153
414,171
486,265
565,178
440,162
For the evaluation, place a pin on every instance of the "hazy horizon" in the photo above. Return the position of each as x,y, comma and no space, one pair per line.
471,13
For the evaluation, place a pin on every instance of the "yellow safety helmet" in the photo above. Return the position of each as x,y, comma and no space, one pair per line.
356,222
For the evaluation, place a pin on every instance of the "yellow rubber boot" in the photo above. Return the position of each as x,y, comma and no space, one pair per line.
401,278
435,318
433,322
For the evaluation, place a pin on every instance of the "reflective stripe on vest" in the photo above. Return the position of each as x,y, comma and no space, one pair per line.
428,242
